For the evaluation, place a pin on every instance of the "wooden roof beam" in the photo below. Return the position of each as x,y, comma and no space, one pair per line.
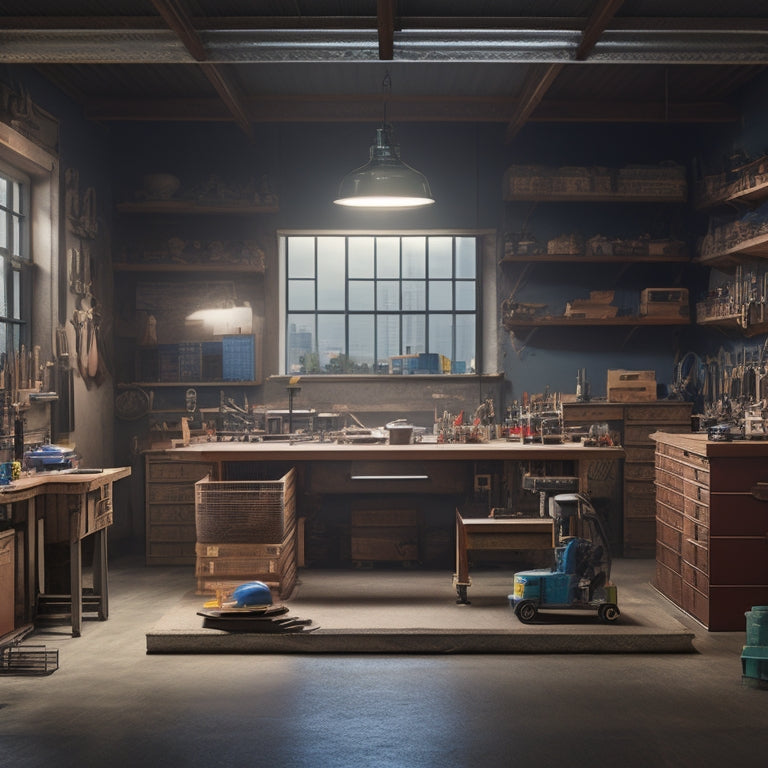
176,18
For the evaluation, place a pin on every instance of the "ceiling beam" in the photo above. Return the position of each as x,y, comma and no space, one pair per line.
533,91
386,26
176,17
115,46
310,108
203,23
597,24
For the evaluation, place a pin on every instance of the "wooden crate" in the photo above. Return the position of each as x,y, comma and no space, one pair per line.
631,386
664,302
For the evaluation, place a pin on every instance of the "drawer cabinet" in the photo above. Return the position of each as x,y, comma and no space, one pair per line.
635,423
170,508
711,527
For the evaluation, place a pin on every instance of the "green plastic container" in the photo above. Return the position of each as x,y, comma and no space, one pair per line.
757,625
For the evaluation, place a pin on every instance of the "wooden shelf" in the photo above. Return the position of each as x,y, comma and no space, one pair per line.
189,207
560,322
734,322
157,384
596,197
580,258
755,194
755,246
161,267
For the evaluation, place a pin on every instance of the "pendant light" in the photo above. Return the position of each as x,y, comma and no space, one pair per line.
385,181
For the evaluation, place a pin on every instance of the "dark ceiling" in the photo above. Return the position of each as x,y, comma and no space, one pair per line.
510,61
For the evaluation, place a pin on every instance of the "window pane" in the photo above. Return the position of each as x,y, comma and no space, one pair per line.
414,295
414,256
17,197
414,327
465,342
440,295
300,344
361,343
16,295
387,295
301,295
3,294
387,337
465,295
301,257
331,343
3,230
440,257
361,295
3,192
441,335
361,257
17,245
387,257
466,257
330,273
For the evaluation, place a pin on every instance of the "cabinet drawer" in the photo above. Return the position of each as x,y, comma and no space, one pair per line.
669,536
638,502
381,477
669,583
738,560
688,470
669,516
639,453
158,533
696,511
737,514
591,413
177,470
680,454
669,558
738,474
643,471
695,554
696,578
639,434
171,513
670,497
696,603
670,480
695,492
171,492
661,414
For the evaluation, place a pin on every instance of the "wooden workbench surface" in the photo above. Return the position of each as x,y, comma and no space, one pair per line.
315,451
62,481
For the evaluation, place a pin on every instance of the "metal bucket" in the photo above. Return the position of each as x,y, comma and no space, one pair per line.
400,435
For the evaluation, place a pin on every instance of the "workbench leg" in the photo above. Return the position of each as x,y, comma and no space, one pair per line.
76,585
30,566
462,562
100,573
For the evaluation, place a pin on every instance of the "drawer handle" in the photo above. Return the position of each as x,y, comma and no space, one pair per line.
760,491
389,477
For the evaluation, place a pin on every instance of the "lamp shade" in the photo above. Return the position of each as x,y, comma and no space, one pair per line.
385,181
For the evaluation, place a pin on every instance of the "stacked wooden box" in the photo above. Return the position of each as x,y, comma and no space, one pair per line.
246,531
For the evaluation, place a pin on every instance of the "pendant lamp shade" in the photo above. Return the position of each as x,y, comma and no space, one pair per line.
385,181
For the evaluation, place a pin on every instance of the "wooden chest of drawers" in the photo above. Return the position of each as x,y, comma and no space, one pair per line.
635,422
712,527
170,508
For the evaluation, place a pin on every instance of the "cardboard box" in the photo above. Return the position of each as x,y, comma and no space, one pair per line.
631,386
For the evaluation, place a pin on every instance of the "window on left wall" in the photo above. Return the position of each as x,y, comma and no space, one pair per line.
14,257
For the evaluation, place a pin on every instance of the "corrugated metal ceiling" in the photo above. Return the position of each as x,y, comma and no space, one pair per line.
290,60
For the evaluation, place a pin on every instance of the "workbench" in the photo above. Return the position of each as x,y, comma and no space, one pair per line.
495,535
86,498
372,473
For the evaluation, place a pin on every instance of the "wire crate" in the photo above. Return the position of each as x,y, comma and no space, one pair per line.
28,660
248,511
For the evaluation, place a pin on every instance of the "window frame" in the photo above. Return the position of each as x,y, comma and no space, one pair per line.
476,313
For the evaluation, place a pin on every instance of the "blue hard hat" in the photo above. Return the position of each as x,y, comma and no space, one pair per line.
251,594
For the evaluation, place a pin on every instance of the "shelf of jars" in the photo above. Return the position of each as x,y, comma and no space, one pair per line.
632,183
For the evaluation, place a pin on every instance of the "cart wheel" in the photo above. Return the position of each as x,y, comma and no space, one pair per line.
608,612
525,611
461,594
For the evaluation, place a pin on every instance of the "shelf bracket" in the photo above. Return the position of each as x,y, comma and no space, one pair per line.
521,348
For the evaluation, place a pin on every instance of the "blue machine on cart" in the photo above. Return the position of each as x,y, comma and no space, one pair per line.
582,572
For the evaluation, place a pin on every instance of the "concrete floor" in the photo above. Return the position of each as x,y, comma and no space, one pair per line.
112,704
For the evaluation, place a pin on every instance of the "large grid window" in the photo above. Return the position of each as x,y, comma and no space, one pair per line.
380,304
13,255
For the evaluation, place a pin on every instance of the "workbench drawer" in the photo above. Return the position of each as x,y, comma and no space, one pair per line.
382,477
737,514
